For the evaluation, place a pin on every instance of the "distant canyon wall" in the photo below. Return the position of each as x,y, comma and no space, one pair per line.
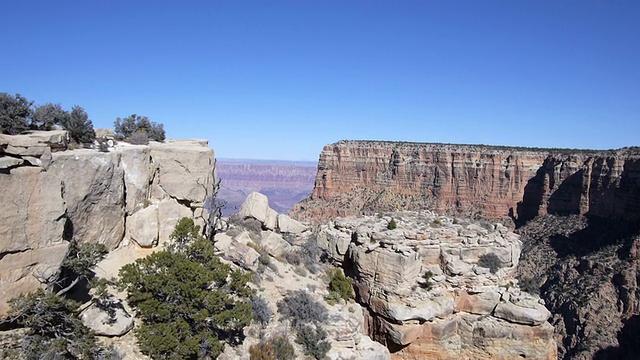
363,177
285,183
51,195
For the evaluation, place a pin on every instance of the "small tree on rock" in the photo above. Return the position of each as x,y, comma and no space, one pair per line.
189,302
14,113
490,261
54,329
125,128
79,126
340,284
47,115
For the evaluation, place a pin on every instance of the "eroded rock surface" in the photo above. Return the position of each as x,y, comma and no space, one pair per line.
462,309
51,196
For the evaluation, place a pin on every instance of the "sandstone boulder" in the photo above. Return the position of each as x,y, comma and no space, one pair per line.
532,314
20,271
33,210
480,304
142,226
98,319
271,220
274,244
32,225
334,242
135,162
237,252
183,170
169,213
402,334
289,225
255,206
421,310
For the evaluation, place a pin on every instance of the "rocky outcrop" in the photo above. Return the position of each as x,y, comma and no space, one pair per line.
251,242
271,227
429,294
94,194
51,196
31,230
256,206
365,177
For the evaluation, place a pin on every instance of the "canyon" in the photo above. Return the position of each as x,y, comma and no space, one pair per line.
508,183
285,183
562,224
577,211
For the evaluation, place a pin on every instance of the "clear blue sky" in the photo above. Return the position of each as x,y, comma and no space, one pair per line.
280,79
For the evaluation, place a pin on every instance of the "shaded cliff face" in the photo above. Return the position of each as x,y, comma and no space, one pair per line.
364,177
587,270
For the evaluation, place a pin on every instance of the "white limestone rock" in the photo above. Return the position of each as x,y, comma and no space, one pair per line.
142,227
103,324
289,225
183,170
274,244
255,206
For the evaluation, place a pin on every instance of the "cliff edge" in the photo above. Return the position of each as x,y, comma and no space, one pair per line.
52,195
366,177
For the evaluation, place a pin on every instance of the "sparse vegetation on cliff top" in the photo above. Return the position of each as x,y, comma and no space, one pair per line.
444,146
136,129
18,115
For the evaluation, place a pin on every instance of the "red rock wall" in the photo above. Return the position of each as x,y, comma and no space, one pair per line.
356,177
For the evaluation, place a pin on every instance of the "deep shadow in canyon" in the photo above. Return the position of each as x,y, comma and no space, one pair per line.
586,269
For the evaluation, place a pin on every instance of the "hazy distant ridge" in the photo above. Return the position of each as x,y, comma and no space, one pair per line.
284,182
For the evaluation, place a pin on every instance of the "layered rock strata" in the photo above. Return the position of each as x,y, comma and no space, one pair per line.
51,196
460,309
364,177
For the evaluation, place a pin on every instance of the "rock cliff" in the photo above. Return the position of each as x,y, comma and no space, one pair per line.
51,196
428,293
364,177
